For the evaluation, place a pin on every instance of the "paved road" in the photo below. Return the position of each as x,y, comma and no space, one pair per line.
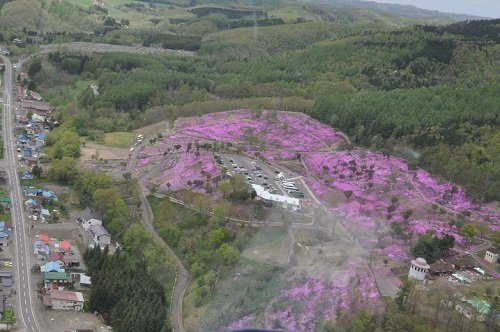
182,275
21,240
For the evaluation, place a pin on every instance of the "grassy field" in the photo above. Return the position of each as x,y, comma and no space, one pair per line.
118,139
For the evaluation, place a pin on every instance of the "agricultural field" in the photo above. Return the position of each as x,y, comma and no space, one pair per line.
361,194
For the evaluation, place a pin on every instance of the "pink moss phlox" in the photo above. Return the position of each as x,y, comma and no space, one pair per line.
395,252
242,322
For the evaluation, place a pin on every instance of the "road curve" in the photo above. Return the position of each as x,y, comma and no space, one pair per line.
182,275
21,240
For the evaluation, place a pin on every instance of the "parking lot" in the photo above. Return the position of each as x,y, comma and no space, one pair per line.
258,172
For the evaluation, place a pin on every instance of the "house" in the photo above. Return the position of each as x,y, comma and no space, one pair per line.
40,138
492,255
91,222
37,118
35,106
4,227
50,195
43,237
83,279
64,300
4,233
27,175
30,191
6,278
474,309
35,95
27,152
41,249
60,278
32,161
56,257
5,202
32,206
22,120
64,247
100,235
51,267
85,214
20,93
23,139
45,214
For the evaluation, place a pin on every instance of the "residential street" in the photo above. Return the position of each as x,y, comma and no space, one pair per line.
22,270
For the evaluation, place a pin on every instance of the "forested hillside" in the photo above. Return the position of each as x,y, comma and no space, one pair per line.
427,88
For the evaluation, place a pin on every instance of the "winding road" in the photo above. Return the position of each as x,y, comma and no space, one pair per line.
21,240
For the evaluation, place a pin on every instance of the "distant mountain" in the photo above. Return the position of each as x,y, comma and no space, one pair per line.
400,10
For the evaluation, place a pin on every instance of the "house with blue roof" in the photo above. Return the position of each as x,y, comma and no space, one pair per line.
41,247
26,175
23,138
4,231
50,195
32,206
27,152
30,191
52,267
40,137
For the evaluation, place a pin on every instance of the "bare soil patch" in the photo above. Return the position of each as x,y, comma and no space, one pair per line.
104,152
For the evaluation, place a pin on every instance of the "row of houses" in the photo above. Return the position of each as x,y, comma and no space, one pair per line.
36,198
57,257
31,116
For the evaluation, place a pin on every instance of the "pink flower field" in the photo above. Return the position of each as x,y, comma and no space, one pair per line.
381,188
373,178
315,299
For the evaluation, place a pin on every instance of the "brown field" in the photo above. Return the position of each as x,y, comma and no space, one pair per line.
105,152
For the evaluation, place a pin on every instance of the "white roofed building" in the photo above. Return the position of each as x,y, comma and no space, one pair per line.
285,201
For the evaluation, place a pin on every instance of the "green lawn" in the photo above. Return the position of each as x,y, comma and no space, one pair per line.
119,139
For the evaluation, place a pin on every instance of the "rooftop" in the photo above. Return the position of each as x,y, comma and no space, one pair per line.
99,230
37,105
466,261
494,250
55,276
440,267
66,295
85,214
275,198
420,262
